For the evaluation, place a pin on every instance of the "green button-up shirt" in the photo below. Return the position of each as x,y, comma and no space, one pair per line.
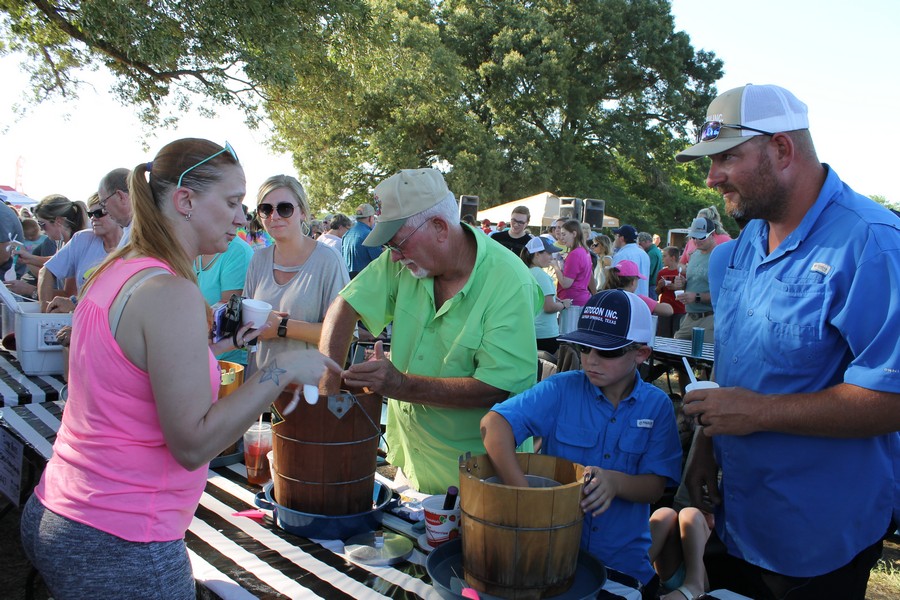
485,331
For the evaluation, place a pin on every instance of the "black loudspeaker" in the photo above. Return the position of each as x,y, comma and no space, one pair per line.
571,208
468,205
594,211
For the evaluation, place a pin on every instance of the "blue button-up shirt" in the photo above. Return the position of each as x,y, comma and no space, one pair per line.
356,255
820,309
637,437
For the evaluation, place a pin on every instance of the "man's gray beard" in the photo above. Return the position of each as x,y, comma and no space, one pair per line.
419,273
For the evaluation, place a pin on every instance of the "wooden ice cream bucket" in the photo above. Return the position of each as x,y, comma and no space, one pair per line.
520,542
324,454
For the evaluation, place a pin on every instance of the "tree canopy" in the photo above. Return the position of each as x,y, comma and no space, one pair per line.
588,98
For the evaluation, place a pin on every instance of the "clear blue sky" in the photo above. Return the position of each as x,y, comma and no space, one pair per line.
841,58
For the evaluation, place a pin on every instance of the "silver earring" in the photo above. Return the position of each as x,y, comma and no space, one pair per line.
187,217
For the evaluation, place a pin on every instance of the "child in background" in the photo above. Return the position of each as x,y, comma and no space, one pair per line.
666,291
679,540
624,275
536,255
604,416
34,237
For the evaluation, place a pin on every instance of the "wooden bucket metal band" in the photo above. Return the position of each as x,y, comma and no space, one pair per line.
309,443
342,483
517,528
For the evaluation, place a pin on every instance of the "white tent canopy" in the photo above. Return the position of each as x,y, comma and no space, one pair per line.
544,208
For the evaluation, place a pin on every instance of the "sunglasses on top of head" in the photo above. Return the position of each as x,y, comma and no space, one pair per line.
617,353
284,209
227,149
711,129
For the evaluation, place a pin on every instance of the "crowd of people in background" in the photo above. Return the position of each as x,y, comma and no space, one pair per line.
807,353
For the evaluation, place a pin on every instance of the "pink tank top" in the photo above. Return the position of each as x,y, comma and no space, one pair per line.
111,468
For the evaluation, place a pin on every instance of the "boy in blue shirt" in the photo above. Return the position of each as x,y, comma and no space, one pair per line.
604,417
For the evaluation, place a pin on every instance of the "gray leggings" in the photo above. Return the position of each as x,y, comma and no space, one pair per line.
78,561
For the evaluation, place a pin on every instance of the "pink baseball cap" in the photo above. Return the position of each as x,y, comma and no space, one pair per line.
628,268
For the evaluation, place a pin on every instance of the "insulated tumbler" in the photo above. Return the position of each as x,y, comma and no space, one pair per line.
697,341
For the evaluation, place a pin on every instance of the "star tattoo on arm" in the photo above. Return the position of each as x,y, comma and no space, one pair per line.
271,372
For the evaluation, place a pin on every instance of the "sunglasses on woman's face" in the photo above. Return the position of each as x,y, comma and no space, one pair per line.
97,213
285,210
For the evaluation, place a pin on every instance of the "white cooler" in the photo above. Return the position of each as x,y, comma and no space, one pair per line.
36,347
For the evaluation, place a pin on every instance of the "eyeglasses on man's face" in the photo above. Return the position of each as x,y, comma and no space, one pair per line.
284,209
518,222
398,248
711,129
227,149
97,213
102,203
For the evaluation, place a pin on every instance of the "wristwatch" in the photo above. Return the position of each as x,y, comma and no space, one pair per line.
282,328
697,298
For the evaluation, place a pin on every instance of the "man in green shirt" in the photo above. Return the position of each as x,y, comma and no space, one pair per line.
463,335
645,241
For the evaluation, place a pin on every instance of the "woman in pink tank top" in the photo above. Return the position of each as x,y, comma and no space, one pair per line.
142,421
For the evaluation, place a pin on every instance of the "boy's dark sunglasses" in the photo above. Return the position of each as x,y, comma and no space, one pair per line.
285,210
617,353
97,213
711,129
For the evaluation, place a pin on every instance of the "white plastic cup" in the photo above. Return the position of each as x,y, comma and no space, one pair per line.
440,525
679,294
700,385
255,312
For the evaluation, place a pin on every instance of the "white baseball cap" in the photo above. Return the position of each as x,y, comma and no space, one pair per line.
743,113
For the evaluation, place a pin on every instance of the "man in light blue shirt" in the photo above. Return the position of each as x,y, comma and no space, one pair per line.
627,249
806,317
356,255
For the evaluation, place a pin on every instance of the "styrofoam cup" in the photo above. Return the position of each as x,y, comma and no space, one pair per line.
255,312
679,293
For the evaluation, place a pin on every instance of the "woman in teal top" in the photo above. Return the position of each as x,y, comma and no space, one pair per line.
221,275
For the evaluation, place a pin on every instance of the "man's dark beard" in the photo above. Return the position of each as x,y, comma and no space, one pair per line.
763,198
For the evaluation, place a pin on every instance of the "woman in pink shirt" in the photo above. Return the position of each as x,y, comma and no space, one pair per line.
573,277
142,421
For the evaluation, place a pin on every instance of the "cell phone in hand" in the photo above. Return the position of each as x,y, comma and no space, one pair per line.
227,318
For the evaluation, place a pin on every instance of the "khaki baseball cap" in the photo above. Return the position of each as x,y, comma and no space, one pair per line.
364,211
401,196
743,113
